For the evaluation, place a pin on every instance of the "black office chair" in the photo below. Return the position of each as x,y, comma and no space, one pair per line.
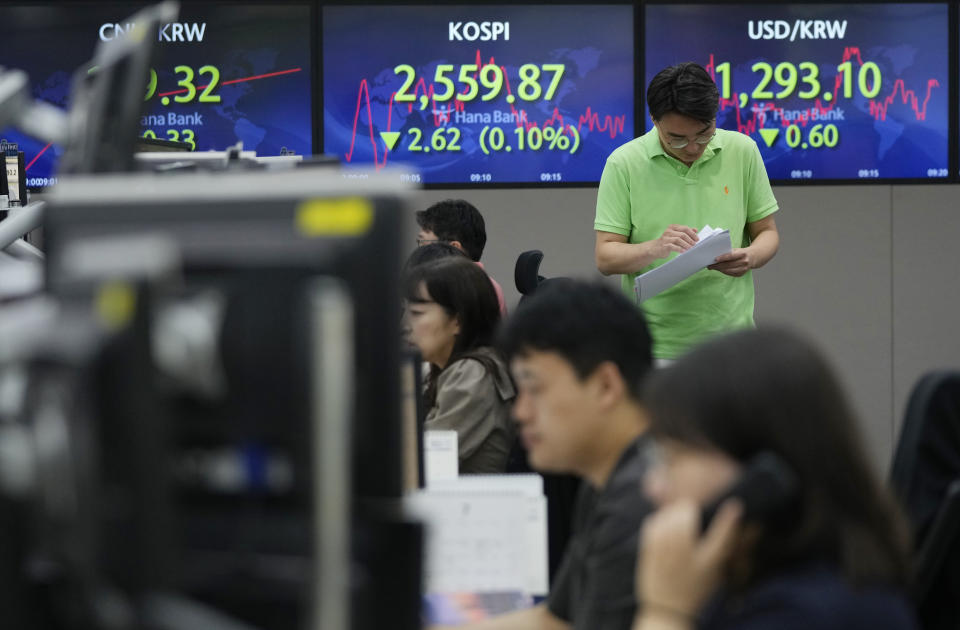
526,273
926,477
526,277
560,490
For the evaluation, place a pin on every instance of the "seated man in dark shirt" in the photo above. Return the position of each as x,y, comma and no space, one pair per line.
579,353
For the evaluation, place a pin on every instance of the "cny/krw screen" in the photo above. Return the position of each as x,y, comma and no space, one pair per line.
224,73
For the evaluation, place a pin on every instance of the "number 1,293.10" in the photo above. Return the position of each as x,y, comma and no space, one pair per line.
788,76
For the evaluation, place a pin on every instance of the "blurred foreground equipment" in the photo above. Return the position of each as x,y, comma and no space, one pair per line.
199,417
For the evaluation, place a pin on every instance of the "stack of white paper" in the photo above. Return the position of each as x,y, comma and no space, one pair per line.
713,242
485,533
440,456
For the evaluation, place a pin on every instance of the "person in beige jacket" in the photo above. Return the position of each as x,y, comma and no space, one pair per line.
451,315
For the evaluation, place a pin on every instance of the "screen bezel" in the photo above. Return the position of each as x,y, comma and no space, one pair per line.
952,110
637,109
313,10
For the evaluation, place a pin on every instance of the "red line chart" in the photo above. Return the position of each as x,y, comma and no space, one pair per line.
758,115
184,91
441,113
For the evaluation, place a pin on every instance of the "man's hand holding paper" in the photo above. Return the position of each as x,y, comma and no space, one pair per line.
734,263
676,238
711,244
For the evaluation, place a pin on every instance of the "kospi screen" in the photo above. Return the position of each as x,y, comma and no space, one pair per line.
224,73
484,94
828,91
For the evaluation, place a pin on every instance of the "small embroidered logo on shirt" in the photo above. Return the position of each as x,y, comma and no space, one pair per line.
726,190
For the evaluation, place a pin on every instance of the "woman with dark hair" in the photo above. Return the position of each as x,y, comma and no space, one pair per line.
430,252
452,313
831,556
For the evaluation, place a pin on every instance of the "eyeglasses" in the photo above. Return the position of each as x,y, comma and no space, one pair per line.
426,241
680,143
701,140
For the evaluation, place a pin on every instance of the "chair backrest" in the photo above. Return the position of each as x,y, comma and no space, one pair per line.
926,477
927,459
526,273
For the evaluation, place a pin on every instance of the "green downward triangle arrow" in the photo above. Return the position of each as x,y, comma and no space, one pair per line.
769,136
390,138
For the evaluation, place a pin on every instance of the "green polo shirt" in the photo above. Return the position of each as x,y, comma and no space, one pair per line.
643,190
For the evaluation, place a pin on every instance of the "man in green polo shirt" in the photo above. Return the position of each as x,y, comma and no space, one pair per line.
657,190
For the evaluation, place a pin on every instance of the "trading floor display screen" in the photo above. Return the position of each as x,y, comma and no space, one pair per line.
224,73
828,91
510,94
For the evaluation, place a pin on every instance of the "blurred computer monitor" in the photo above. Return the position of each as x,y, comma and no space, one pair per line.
106,100
260,241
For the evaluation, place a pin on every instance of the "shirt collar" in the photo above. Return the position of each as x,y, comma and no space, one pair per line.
637,449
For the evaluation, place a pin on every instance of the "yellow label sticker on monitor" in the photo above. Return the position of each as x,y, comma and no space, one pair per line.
115,303
334,217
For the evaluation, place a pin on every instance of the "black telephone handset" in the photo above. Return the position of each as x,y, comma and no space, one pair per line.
765,487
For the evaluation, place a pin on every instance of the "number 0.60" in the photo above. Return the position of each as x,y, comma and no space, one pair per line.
828,137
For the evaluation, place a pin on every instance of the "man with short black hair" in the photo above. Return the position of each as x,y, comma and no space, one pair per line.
459,223
658,189
579,353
